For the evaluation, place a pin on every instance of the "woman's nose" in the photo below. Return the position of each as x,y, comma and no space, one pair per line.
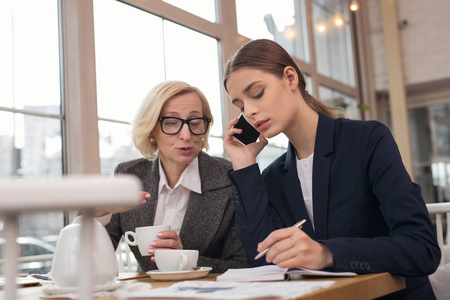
185,133
250,111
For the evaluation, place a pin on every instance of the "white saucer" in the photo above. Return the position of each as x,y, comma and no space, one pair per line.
52,289
22,281
179,275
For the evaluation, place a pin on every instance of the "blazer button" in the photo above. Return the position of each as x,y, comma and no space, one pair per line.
237,202
352,265
367,265
362,266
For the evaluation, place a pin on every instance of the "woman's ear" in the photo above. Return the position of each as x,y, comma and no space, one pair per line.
291,76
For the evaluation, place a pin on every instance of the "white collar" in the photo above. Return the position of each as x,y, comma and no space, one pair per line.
190,178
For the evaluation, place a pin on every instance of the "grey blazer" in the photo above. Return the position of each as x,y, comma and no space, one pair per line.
209,224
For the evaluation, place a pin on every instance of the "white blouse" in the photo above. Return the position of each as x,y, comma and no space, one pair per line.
304,172
172,203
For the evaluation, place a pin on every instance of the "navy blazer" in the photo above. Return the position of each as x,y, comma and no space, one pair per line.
367,210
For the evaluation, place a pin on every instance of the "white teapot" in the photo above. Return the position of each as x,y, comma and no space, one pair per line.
66,261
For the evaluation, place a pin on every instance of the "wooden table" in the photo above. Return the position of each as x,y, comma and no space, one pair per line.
366,286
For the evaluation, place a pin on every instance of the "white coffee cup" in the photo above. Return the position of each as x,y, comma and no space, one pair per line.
144,236
175,260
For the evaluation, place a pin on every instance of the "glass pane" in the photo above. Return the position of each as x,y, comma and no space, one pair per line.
309,84
283,21
440,131
419,124
268,155
9,164
29,54
197,64
31,146
335,98
441,115
441,180
332,36
205,9
129,57
279,141
216,147
37,237
116,146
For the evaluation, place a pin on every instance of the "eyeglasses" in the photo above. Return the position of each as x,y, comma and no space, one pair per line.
173,125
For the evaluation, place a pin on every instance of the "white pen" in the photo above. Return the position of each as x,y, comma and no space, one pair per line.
262,253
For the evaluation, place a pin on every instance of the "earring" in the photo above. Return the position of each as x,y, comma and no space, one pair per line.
152,140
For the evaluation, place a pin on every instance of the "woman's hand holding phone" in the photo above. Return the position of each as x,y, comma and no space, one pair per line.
242,155
249,134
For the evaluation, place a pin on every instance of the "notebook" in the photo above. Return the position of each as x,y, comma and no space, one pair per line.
274,273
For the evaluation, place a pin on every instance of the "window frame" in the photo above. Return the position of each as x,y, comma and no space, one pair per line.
79,77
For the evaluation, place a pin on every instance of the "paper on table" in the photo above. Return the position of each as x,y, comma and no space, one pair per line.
22,281
131,275
273,273
231,290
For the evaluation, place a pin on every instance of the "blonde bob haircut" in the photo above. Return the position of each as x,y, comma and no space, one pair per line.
150,109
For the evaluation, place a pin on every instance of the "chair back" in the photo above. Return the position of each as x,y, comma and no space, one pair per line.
441,213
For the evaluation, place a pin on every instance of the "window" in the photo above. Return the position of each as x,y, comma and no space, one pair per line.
135,54
205,9
30,110
129,61
335,98
198,65
137,46
281,21
430,138
334,55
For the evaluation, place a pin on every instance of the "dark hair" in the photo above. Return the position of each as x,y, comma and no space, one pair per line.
268,56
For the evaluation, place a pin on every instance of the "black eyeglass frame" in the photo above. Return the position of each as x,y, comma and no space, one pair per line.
183,121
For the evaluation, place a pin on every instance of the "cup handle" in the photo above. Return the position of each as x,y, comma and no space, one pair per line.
127,239
183,262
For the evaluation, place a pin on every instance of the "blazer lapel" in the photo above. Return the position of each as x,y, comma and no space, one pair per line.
294,195
204,211
150,181
321,173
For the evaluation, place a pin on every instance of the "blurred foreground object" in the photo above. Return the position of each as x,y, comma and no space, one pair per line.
84,193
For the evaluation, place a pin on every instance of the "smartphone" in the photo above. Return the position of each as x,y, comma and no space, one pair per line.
249,133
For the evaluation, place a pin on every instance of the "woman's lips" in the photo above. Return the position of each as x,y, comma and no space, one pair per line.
261,125
185,150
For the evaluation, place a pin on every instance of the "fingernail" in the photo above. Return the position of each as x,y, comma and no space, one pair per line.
159,234
147,195
153,244
151,251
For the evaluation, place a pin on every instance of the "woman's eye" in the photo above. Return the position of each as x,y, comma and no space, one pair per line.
259,95
194,123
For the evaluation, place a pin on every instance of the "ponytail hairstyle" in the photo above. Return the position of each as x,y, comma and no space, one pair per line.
270,57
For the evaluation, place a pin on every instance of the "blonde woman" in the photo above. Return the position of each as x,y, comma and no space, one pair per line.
189,189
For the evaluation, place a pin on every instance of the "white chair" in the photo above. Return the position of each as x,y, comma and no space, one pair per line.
442,212
69,193
441,278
